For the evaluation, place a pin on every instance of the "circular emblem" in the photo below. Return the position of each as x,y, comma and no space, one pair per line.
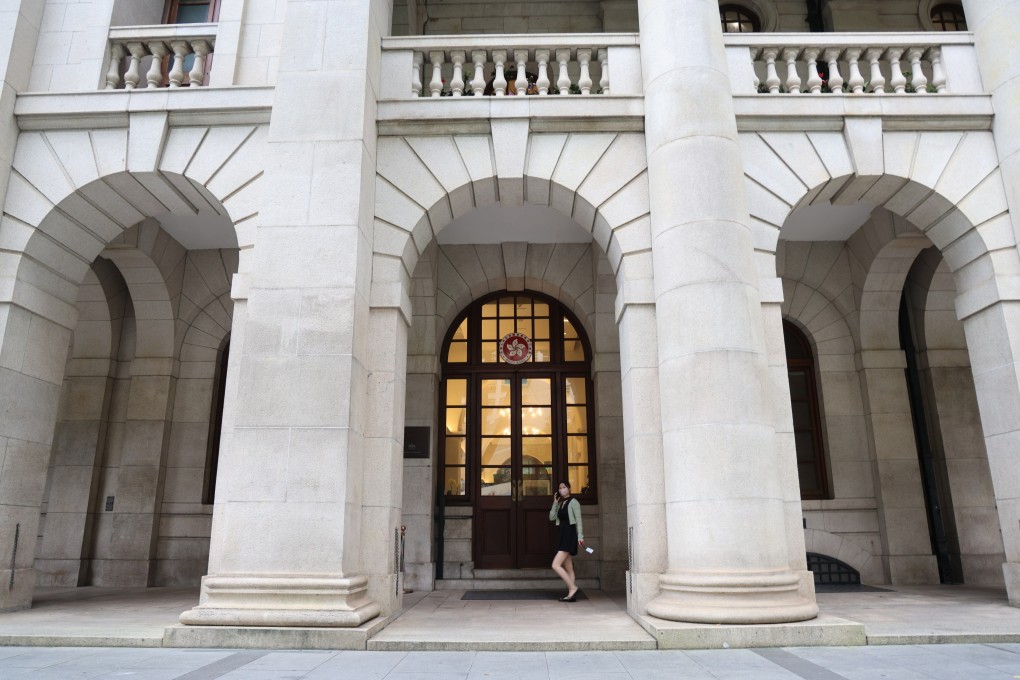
515,348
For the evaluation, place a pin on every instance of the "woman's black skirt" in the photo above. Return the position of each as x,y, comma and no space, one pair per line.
566,538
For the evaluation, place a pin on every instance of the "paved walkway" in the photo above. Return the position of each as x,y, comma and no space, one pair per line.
137,617
933,662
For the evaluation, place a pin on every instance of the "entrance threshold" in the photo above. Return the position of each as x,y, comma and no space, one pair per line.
444,621
512,579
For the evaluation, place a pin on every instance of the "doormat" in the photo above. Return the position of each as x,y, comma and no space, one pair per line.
848,588
518,595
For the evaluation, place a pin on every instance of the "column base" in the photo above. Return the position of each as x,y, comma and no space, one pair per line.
20,596
299,601
733,598
1011,573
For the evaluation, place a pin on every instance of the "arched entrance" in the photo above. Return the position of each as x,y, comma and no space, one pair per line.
513,426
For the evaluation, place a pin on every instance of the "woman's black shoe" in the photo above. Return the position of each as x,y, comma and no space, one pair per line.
569,598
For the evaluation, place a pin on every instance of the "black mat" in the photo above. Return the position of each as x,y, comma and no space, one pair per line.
518,595
848,588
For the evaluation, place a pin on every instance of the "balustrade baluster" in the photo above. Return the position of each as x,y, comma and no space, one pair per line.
499,84
771,77
542,57
584,59
113,73
417,61
938,70
181,50
436,83
792,77
196,77
562,77
897,81
158,50
877,84
856,81
133,74
521,82
603,55
917,78
831,57
814,79
457,81
478,77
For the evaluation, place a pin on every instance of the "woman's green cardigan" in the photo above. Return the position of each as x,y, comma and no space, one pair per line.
573,513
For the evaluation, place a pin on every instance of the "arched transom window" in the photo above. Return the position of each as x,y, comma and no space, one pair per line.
738,19
948,16
514,425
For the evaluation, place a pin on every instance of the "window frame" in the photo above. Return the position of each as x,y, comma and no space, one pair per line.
808,366
216,423
172,8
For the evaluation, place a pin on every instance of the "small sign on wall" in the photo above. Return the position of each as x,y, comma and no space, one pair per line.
416,441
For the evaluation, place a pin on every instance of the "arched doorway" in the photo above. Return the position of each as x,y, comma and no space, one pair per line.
512,426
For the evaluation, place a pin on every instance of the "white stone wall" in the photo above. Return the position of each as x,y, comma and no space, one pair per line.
72,45
258,52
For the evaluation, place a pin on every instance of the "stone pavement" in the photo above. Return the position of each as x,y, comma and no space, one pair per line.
138,617
932,662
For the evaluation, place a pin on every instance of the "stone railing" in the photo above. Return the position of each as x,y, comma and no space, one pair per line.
853,63
159,56
501,65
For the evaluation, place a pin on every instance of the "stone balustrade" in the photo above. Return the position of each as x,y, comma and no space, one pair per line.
507,65
159,56
853,63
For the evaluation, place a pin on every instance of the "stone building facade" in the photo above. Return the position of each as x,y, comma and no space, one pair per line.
257,258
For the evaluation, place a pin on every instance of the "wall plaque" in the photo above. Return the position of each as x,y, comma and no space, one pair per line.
416,441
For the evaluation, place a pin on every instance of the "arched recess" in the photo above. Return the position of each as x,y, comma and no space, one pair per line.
193,448
845,549
68,516
599,180
71,194
116,546
946,187
819,298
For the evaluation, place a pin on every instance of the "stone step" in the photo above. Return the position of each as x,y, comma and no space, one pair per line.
512,584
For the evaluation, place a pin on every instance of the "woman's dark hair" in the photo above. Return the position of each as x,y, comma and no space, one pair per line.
566,484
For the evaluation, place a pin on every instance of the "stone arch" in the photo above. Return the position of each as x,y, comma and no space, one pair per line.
945,184
565,271
599,180
941,188
71,193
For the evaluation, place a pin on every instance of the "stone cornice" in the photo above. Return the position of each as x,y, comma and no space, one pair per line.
472,115
786,112
112,108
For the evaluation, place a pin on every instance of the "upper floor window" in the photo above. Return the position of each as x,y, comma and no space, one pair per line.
738,19
948,16
191,11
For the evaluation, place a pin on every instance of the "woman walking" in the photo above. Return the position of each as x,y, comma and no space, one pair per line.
566,512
